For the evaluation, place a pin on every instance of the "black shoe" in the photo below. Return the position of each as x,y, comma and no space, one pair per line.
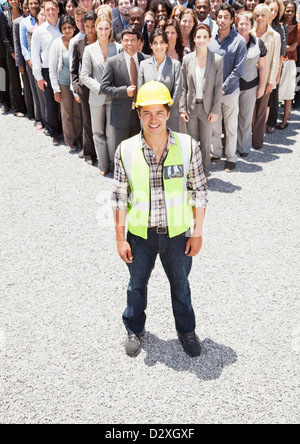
190,344
56,141
215,159
281,128
243,154
230,166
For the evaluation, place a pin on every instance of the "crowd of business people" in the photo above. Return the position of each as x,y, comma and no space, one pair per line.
75,69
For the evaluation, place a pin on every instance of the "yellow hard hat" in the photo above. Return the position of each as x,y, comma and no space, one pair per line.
153,93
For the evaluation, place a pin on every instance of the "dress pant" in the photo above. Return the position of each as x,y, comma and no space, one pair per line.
200,130
134,127
51,107
247,102
4,84
38,97
103,135
259,121
28,95
87,133
274,107
70,116
230,113
15,89
177,266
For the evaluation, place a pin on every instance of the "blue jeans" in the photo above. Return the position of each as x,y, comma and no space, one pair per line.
177,267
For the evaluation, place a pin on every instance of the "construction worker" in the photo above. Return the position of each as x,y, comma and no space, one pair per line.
160,185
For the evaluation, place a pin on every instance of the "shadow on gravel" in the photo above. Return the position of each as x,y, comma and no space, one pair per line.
221,186
207,367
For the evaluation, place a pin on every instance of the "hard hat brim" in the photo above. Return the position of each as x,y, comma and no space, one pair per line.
154,102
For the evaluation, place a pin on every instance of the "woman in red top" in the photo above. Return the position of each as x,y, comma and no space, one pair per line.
287,84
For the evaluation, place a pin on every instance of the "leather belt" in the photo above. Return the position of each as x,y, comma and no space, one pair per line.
159,230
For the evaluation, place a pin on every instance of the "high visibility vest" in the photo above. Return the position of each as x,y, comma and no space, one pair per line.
175,175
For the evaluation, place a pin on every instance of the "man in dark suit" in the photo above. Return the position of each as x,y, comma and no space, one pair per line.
137,19
119,81
121,21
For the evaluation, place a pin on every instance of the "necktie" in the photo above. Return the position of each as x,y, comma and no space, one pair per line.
133,76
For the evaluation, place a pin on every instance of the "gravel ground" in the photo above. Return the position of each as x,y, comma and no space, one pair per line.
63,290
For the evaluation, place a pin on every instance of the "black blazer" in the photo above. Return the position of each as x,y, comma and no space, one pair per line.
114,83
78,50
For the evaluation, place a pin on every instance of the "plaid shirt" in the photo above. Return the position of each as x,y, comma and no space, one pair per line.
196,183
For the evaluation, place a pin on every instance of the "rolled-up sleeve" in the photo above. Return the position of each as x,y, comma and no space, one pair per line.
121,184
197,182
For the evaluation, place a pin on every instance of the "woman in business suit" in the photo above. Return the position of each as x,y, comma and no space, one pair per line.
93,63
162,68
202,82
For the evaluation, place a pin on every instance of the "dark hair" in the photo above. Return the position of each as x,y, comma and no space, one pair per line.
66,19
158,32
131,29
226,7
90,16
239,4
179,46
191,12
168,108
155,4
286,4
75,3
204,27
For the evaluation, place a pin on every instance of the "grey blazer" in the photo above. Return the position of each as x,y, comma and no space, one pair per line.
17,44
212,88
171,78
93,65
114,83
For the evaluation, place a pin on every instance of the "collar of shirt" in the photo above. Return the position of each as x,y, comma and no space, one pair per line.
171,141
48,25
269,31
124,24
231,36
207,21
159,69
128,57
127,60
185,4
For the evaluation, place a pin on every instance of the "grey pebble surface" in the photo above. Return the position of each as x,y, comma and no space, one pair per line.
63,291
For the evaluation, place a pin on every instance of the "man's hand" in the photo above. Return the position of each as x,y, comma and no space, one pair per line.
184,117
57,97
124,251
131,91
193,246
42,84
212,118
269,88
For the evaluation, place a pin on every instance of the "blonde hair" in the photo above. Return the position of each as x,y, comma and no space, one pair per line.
104,10
280,8
247,14
105,18
262,9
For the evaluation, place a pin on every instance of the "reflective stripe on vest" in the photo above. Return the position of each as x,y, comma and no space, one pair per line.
175,174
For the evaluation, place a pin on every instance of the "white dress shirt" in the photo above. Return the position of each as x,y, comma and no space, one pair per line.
128,58
42,39
159,71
